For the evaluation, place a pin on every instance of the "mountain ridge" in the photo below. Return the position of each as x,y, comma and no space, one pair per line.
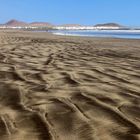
108,25
15,23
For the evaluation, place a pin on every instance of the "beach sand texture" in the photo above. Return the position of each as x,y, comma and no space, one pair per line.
68,88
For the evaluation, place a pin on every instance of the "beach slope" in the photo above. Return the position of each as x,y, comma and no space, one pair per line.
68,88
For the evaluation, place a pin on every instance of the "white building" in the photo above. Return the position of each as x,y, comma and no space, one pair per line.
86,28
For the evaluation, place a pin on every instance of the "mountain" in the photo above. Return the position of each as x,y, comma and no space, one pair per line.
41,24
108,25
14,23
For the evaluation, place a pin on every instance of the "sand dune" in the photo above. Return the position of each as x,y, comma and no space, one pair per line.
68,88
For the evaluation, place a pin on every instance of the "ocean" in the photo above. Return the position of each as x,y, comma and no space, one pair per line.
134,34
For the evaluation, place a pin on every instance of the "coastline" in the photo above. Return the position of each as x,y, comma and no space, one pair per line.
68,88
128,34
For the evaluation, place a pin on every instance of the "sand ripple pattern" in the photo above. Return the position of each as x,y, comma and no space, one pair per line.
57,88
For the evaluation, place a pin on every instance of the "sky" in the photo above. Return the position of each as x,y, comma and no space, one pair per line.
85,12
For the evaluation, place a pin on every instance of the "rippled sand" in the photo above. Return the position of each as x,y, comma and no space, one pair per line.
68,88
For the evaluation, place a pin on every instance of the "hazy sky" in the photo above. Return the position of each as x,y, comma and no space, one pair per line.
88,12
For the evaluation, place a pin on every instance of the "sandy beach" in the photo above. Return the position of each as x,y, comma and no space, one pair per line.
68,88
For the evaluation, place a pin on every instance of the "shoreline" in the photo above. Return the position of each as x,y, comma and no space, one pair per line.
128,34
57,35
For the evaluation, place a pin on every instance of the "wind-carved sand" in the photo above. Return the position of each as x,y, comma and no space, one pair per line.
68,88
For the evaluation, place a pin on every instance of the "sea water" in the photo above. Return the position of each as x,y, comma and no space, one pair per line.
134,34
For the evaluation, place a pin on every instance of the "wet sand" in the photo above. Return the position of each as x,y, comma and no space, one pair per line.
68,88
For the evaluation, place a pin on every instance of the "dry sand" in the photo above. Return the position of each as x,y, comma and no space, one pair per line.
68,88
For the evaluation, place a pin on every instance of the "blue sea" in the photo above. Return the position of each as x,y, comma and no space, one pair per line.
132,34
